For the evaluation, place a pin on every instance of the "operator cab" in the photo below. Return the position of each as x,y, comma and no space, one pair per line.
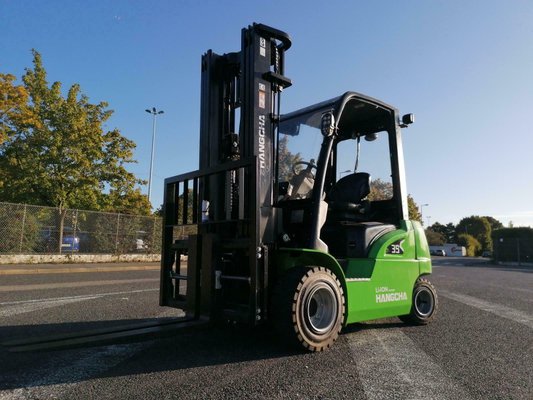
340,175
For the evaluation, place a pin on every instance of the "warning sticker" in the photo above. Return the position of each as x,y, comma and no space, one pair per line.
262,47
262,95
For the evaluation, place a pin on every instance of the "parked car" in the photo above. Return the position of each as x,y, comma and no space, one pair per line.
70,243
439,252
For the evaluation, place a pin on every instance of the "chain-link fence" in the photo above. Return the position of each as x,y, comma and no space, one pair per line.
27,229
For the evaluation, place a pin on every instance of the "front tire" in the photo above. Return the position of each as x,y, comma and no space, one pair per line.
425,303
308,307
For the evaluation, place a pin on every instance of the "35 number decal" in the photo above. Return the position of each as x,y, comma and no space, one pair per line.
395,248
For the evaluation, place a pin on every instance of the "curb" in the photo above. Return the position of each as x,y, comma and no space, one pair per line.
76,258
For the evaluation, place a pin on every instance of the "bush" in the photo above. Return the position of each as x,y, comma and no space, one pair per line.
513,244
471,244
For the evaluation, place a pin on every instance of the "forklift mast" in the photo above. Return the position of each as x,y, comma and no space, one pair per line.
222,215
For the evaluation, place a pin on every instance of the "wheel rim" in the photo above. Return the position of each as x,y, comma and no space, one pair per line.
424,302
321,308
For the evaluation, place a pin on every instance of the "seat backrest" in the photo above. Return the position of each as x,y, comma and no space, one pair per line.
351,188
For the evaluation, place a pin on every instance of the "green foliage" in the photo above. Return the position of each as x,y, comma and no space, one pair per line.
19,230
494,223
60,155
472,245
434,238
478,227
14,110
513,244
380,190
286,159
522,233
383,190
447,231
414,210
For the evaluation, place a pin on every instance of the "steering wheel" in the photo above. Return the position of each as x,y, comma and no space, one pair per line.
309,164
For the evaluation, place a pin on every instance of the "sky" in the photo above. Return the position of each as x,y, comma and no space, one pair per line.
464,68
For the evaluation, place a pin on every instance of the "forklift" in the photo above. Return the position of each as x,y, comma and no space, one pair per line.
293,219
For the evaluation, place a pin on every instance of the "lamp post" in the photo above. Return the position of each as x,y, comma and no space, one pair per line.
421,214
155,113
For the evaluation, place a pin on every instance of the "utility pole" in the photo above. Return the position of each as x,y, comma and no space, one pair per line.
155,113
421,214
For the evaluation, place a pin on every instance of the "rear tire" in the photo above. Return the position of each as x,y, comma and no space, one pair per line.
425,303
308,307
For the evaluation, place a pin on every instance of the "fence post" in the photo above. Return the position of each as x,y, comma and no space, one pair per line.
518,250
116,237
75,218
152,246
22,229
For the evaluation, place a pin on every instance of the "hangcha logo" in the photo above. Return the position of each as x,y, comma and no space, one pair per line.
261,133
388,297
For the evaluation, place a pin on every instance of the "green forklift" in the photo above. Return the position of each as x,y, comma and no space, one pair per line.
297,220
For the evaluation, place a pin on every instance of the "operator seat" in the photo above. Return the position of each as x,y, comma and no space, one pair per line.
348,231
347,199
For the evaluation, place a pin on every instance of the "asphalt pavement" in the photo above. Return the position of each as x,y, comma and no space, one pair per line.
479,347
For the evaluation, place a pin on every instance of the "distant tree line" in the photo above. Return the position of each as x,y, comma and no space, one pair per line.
482,234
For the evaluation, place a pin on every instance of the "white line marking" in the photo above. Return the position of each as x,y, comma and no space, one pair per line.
81,297
43,286
9,311
497,309
513,289
390,365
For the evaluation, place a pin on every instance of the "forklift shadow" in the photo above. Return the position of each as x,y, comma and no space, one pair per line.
144,354
221,345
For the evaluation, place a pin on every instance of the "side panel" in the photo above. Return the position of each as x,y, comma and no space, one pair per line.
422,249
381,286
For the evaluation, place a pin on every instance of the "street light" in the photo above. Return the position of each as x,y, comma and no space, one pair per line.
155,113
421,214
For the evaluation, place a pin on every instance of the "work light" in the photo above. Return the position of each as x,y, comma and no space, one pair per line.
328,124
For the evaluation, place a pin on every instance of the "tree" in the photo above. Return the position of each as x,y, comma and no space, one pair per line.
61,156
478,227
414,210
434,238
380,190
14,111
471,244
383,190
447,231
286,159
494,223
